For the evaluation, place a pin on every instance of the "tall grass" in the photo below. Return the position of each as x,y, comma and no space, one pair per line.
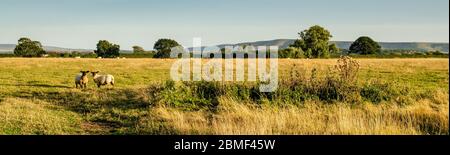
20,116
314,118
334,104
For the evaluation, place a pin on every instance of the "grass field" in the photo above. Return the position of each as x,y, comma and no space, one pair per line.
38,96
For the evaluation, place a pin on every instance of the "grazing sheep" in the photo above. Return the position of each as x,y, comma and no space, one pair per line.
101,80
81,79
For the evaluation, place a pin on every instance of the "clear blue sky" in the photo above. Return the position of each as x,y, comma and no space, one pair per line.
81,23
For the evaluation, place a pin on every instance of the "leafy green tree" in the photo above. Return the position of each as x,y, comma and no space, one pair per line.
163,47
291,52
138,49
365,45
308,53
28,48
298,44
333,48
107,50
315,41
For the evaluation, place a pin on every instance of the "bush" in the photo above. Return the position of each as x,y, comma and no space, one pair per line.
291,52
186,95
138,55
377,92
339,85
347,69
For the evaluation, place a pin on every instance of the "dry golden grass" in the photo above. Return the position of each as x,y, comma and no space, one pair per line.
21,116
310,119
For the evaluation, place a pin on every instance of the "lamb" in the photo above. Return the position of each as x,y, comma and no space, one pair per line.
101,80
81,79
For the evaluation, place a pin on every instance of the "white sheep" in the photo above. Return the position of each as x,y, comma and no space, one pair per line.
81,79
101,80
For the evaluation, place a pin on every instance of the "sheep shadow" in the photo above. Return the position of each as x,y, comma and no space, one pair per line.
39,84
114,109
48,86
36,85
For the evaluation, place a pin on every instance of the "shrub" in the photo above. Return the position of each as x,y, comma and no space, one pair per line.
377,92
339,85
347,69
186,95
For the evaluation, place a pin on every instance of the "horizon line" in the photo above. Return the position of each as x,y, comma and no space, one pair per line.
221,44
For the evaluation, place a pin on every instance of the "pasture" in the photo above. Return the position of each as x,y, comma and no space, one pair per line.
38,96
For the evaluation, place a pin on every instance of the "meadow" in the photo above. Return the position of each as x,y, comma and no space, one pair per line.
387,97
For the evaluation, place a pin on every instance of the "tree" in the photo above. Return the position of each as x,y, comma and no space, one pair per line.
333,48
107,50
315,42
291,52
138,49
297,44
28,48
163,47
365,45
308,53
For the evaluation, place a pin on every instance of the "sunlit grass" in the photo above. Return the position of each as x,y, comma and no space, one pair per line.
38,96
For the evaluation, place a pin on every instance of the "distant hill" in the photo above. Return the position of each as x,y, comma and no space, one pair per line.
9,48
418,46
281,43
6,48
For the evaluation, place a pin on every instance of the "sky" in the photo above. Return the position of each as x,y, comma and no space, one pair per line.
81,23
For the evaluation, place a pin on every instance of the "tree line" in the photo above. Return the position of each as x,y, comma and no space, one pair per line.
105,49
313,42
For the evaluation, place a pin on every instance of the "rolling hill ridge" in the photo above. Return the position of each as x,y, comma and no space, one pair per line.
282,44
417,46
